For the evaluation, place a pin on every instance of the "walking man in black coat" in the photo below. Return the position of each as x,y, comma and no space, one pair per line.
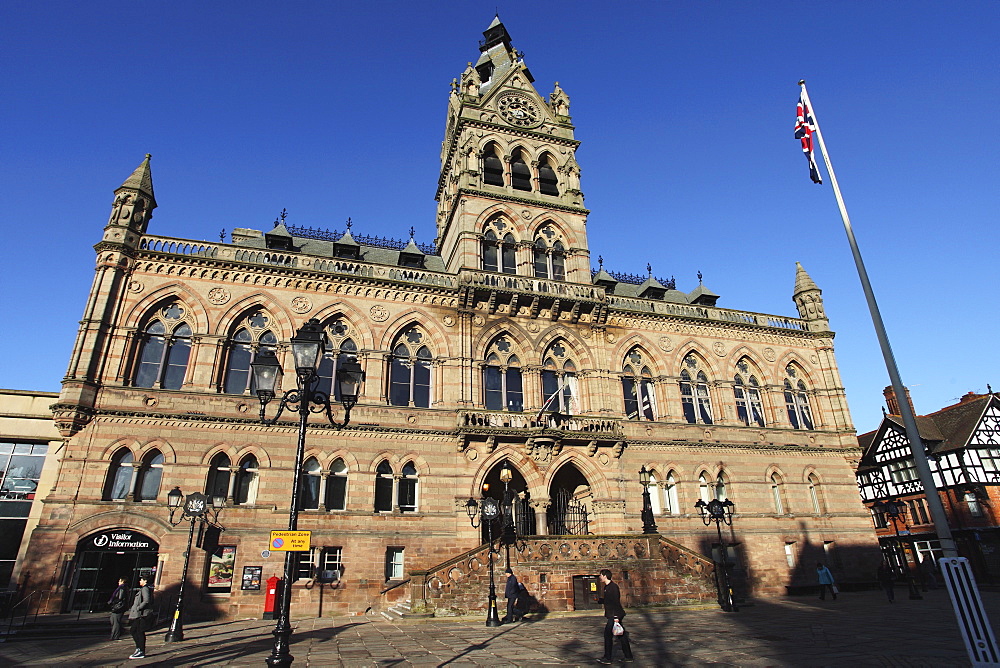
613,611
511,591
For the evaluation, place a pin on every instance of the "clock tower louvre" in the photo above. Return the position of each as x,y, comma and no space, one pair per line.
509,171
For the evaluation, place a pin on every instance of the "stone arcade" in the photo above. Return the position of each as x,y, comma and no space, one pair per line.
498,343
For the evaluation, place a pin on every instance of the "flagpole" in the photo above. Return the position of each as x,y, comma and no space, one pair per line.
906,412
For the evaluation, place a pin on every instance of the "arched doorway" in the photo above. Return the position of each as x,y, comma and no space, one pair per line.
103,557
570,496
513,497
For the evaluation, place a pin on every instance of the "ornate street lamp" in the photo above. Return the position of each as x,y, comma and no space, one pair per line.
895,511
488,512
648,523
308,347
509,533
720,512
194,508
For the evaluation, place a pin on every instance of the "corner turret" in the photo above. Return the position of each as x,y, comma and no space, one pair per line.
132,208
808,300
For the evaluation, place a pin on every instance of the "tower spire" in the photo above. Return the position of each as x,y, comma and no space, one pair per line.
142,180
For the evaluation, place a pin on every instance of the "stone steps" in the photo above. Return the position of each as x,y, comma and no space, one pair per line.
396,612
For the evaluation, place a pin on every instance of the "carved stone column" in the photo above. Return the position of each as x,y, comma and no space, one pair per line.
541,507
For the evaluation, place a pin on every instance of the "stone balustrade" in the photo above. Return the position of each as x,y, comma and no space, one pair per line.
661,572
506,420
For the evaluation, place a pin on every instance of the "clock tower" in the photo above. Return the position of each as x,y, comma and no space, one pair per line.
509,196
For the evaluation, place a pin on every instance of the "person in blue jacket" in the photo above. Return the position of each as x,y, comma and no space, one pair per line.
825,581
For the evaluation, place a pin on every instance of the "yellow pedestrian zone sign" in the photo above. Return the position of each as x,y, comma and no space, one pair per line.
289,541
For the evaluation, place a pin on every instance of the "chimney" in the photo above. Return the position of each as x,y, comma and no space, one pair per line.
893,403
968,396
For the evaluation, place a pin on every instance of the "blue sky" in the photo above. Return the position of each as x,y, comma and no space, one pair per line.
684,110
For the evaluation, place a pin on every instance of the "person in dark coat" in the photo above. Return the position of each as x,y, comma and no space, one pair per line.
887,580
511,591
140,616
613,611
118,604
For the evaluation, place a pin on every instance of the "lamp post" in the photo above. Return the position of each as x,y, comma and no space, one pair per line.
895,511
648,522
488,511
720,512
308,346
194,508
509,534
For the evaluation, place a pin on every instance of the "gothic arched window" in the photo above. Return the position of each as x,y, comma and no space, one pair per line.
704,488
520,173
491,251
492,167
119,481
502,382
148,475
341,348
559,388
550,262
548,184
309,485
245,488
720,487
695,398
797,400
670,503
336,486
383,487
218,477
410,371
814,498
637,387
406,490
165,347
749,408
499,254
655,495
776,494
251,336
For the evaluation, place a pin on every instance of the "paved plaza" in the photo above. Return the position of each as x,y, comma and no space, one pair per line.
859,629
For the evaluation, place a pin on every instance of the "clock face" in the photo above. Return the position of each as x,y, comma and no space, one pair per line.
518,110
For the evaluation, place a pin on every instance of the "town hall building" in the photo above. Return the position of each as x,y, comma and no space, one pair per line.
504,343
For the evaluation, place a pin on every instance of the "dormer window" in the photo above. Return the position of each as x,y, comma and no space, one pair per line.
485,71
279,238
407,260
348,252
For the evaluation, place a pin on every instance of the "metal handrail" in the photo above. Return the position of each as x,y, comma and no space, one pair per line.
12,612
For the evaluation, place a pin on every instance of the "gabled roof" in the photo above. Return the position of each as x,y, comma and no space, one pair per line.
948,429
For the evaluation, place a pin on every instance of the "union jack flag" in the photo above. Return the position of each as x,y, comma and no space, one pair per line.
804,128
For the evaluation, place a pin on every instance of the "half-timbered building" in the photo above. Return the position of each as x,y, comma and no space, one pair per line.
962,442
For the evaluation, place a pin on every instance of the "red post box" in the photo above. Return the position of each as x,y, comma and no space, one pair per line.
272,597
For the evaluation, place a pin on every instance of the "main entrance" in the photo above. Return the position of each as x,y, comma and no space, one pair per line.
570,494
102,558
